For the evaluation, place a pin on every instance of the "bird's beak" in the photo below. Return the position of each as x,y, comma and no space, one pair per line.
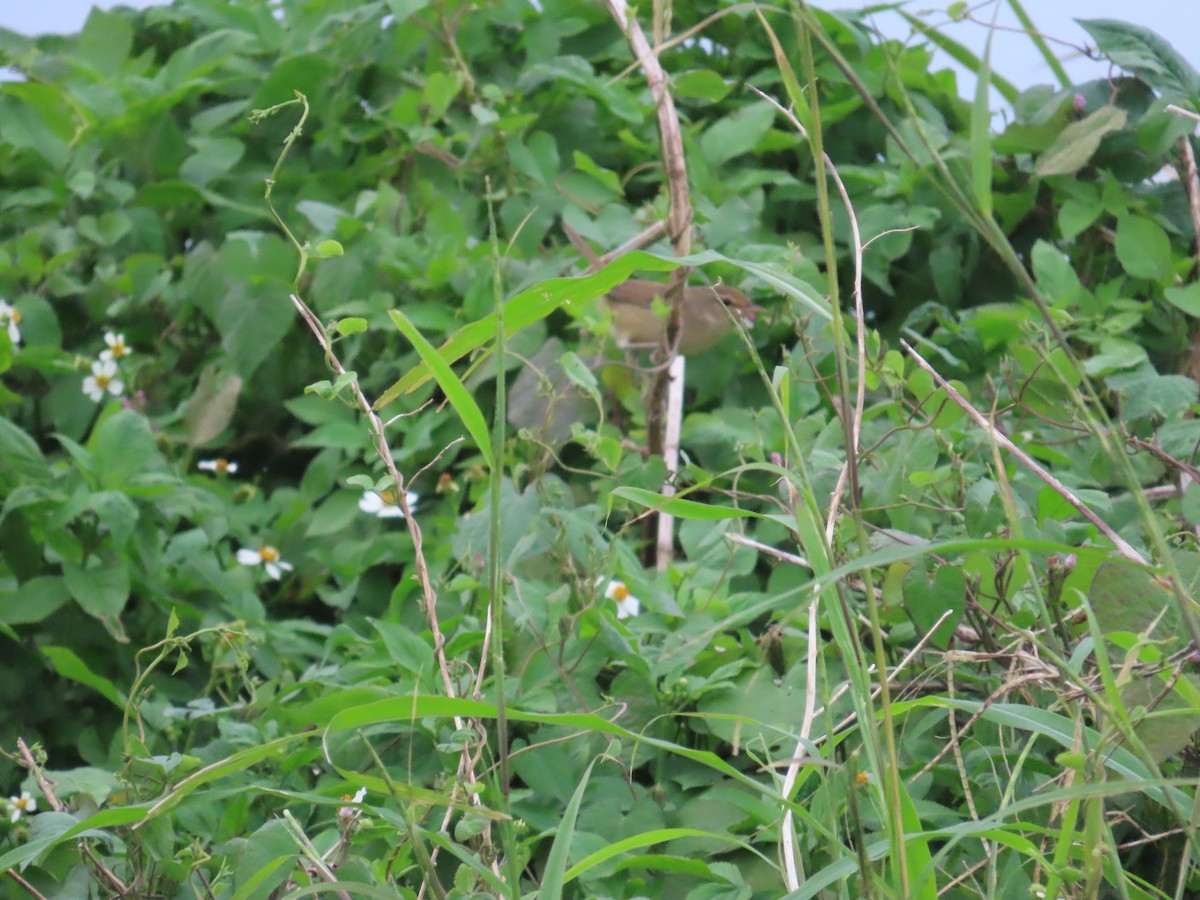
750,311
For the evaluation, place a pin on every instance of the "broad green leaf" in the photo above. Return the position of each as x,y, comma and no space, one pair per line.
700,84
736,133
606,177
21,455
34,600
329,250
1074,147
266,859
68,664
54,828
459,397
214,157
101,588
1144,248
211,407
1186,298
440,90
105,41
1147,55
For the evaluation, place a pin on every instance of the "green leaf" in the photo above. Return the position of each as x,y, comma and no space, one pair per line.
105,41
1186,298
56,828
527,307
214,157
329,250
1144,249
606,177
799,102
960,53
69,665
124,450
679,507
981,133
440,90
556,863
459,397
253,318
918,859
33,600
211,407
21,455
701,84
1147,55
736,133
101,588
1077,142
1126,598
352,325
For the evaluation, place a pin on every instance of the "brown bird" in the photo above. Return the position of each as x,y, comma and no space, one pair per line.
703,319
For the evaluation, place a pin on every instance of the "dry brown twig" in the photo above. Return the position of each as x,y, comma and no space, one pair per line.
1025,459
466,768
47,789
668,385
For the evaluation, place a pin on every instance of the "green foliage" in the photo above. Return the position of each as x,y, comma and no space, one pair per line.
239,674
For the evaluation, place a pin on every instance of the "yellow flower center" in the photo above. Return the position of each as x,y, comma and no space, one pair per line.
221,464
863,778
22,803
268,554
388,497
103,381
118,349
13,315
620,592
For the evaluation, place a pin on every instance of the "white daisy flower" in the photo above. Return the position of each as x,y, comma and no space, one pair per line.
627,604
220,466
18,805
350,813
103,380
266,556
117,349
10,320
385,505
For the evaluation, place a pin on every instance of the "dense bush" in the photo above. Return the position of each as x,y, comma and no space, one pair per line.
225,659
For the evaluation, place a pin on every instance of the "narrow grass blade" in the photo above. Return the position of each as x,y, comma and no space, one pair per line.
553,876
460,398
1040,42
981,133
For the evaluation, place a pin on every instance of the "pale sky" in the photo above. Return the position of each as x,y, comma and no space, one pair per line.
1013,55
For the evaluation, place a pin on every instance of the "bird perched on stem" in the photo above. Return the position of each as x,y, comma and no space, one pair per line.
703,320
639,320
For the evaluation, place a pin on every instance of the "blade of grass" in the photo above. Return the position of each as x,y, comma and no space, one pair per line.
556,864
460,398
537,302
981,133
1056,67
